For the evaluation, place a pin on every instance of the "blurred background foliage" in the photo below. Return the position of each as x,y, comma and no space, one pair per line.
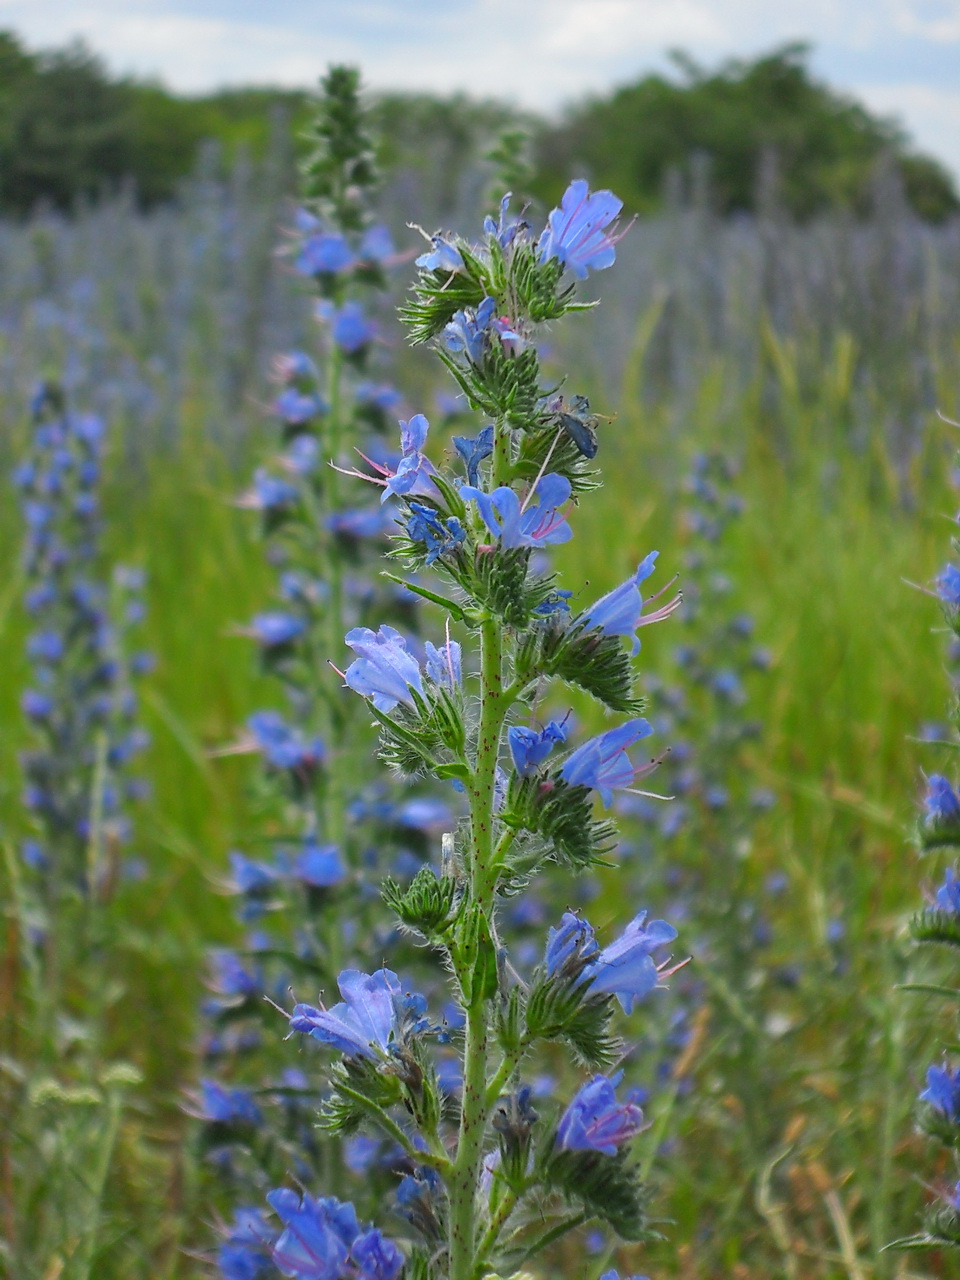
763,129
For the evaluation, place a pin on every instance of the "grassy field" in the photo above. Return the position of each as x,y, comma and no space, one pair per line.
840,517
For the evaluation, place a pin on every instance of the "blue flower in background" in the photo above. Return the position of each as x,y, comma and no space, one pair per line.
319,865
572,940
227,1106
943,1092
602,763
576,233
941,802
363,1022
274,630
529,748
947,586
326,253
282,745
948,895
619,612
376,1257
317,1235
596,1121
537,523
377,244
297,407
385,670
349,326
270,493
245,1253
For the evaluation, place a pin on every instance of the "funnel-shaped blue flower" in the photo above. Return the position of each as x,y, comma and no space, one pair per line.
385,670
576,233
363,1022
620,611
530,748
943,1092
596,1121
626,968
603,763
537,523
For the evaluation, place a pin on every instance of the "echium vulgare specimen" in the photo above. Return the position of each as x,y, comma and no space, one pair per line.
80,704
496,1172
302,903
939,923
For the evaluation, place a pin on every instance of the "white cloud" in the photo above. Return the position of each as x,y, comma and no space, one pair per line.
931,115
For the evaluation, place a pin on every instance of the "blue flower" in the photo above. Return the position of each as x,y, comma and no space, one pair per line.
227,1106
363,1022
315,1243
296,407
444,256
626,968
941,803
302,455
571,945
947,586
376,1257
284,746
619,612
350,328
295,367
530,748
576,233
444,665
325,254
948,895
556,601
377,244
360,522
468,331
413,474
270,493
603,763
595,1121
274,630
615,1275
505,231
439,536
244,1254
538,523
473,451
943,1092
385,670
319,865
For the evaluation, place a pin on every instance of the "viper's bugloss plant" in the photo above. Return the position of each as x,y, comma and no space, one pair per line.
305,902
60,1095
497,1171
938,924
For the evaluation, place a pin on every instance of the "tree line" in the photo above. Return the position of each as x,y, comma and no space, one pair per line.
764,128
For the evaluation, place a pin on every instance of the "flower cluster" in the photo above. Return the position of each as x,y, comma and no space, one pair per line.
443,1086
81,704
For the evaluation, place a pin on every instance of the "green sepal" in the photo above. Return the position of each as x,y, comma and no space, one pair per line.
476,956
591,661
427,904
451,496
359,1088
564,458
562,816
566,1011
607,1186
938,1125
438,295
938,833
942,1222
536,286
936,925
510,1024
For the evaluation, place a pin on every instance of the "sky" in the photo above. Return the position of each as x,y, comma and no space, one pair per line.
900,57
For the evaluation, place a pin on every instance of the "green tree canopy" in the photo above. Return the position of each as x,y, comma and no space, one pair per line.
826,145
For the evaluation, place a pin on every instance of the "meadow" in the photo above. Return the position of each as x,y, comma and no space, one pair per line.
815,357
